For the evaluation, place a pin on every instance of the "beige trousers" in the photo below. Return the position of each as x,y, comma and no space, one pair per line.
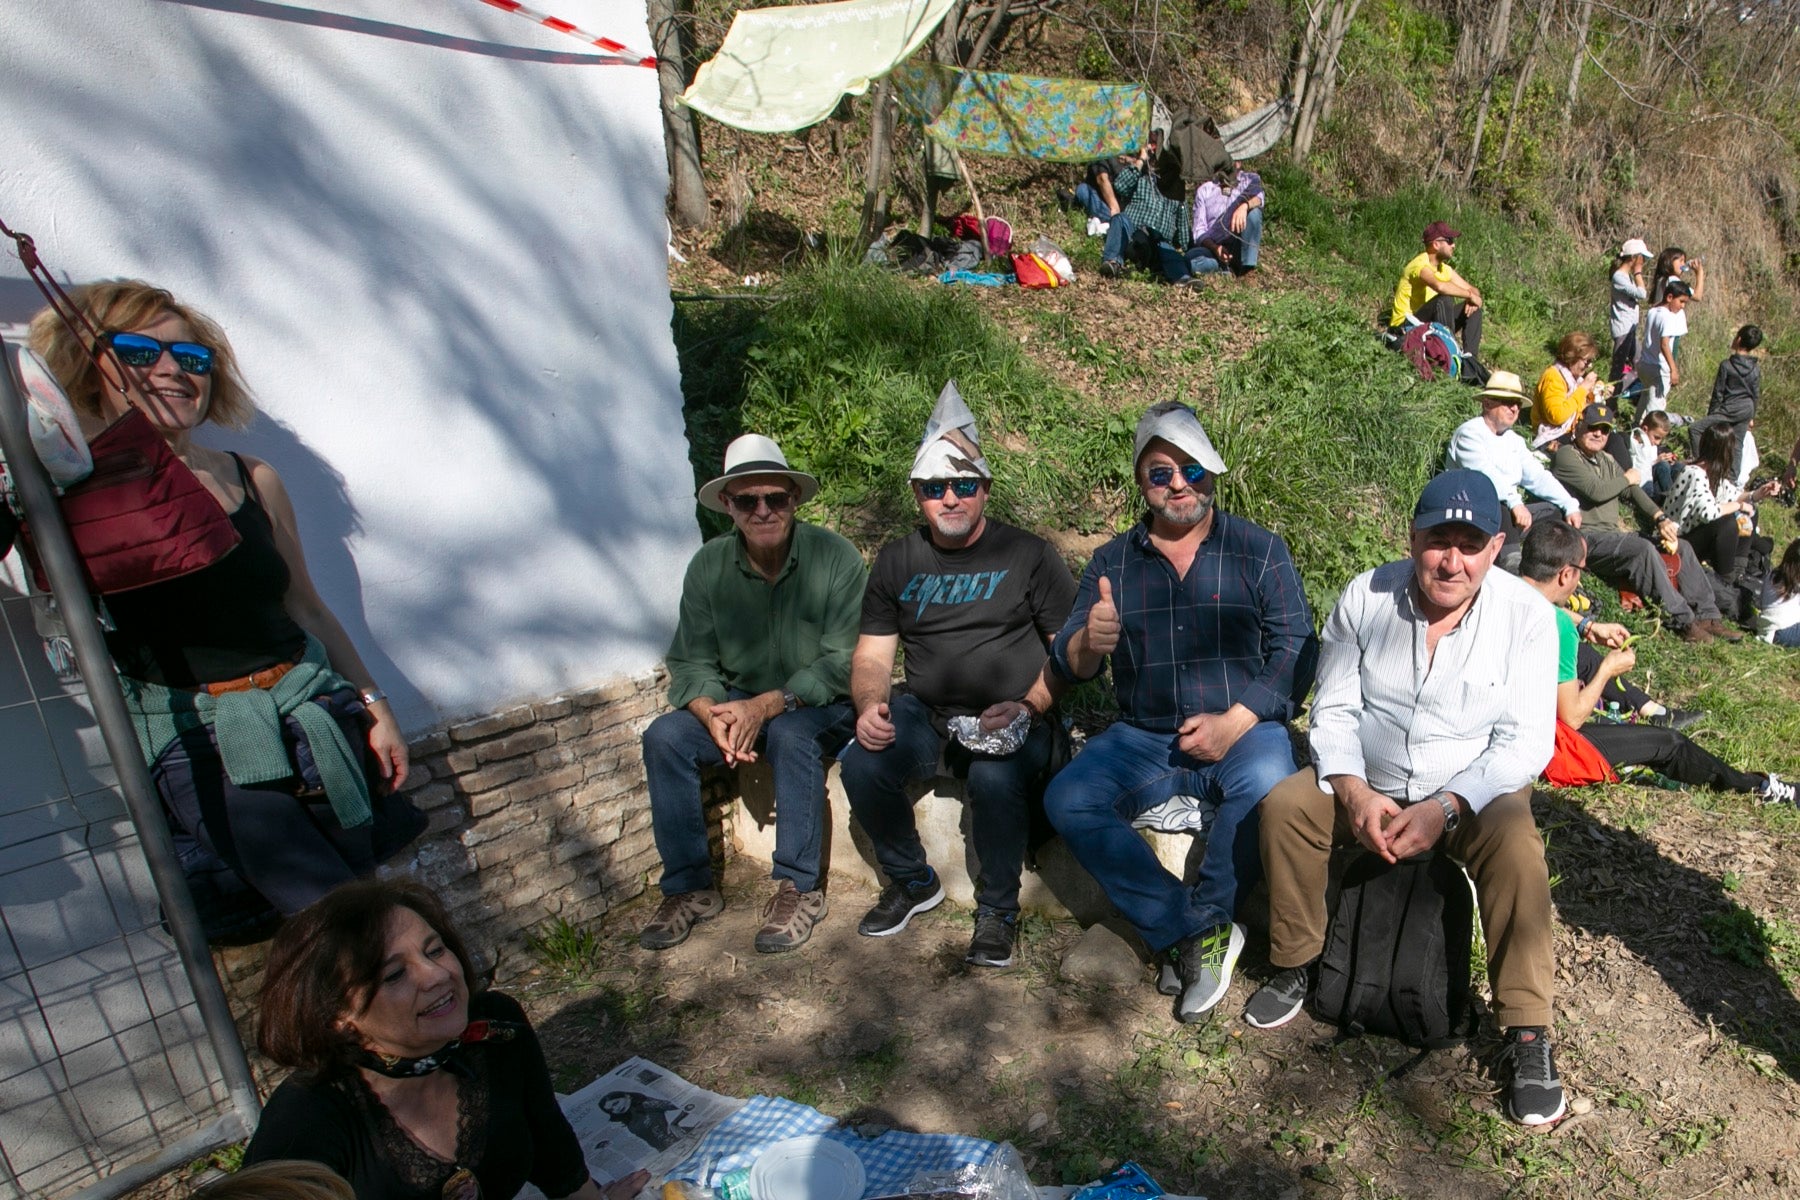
1500,848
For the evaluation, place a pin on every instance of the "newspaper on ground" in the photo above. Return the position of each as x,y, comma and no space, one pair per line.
640,1115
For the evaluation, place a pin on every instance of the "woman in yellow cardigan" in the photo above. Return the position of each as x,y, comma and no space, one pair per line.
1564,389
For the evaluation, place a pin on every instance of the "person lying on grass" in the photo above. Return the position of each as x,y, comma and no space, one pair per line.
1552,562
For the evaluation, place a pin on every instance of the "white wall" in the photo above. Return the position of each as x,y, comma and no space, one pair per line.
435,234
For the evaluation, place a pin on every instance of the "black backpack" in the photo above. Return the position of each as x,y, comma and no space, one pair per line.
1396,958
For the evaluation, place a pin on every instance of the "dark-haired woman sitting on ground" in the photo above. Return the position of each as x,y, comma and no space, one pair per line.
1713,513
410,1081
304,804
1779,619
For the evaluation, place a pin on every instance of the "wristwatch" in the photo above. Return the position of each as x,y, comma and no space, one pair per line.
1452,816
789,701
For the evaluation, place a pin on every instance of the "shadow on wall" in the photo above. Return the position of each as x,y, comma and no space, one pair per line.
309,204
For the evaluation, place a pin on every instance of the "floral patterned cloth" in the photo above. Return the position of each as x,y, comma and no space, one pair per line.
1025,116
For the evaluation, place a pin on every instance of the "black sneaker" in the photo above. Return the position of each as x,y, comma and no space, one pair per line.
1535,1094
995,932
1675,718
1112,269
900,903
1278,1001
1204,963
1065,199
1776,790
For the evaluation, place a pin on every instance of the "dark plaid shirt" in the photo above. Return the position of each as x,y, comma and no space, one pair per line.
1148,208
1236,630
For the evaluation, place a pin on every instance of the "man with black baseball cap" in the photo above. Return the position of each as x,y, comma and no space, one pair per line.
1617,552
1431,290
1435,711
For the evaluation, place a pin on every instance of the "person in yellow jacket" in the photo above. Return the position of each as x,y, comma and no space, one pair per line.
1564,389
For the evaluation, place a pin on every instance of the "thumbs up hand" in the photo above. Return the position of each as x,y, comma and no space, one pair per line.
1103,621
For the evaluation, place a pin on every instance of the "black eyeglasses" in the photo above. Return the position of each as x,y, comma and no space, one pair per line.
140,350
933,489
748,502
1162,477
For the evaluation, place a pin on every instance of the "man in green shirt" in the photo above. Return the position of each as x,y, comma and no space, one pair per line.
760,666
1617,552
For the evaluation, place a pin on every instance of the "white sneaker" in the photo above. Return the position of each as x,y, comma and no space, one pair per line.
1776,790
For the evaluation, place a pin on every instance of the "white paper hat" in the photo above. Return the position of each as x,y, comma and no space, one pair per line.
951,447
1176,424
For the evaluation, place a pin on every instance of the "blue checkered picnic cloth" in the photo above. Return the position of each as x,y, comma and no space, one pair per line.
890,1161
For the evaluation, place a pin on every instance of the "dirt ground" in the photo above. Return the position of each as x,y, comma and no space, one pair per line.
1681,1060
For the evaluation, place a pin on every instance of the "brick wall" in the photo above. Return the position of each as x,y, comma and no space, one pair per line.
539,810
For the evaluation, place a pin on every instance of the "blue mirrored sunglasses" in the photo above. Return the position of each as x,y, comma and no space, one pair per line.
140,350
933,489
1162,477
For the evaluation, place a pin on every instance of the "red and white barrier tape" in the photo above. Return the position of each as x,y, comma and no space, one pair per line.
562,26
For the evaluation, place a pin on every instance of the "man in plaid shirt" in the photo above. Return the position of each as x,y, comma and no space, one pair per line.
1212,649
1147,209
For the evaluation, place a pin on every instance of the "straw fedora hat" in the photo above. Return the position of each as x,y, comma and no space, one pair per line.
1505,386
754,454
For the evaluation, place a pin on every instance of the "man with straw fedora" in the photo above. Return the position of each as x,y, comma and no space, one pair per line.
759,667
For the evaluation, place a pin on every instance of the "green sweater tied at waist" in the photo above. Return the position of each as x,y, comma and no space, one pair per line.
248,727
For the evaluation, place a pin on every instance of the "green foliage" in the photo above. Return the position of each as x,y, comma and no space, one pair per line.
567,948
1403,43
1329,438
842,369
1742,936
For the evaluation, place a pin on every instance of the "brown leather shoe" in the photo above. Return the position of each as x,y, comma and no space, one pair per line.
1696,633
1721,630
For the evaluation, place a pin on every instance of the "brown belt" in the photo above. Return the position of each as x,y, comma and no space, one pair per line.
268,677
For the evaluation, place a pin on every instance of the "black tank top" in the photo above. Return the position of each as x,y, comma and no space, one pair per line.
220,622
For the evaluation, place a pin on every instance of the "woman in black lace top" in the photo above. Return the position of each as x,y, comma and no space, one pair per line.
405,1083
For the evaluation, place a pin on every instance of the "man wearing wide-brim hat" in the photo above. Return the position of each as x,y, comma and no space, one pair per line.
1203,619
1489,444
759,668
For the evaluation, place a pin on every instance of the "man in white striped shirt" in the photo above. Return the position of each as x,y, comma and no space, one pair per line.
1435,711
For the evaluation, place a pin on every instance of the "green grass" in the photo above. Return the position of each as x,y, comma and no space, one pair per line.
568,949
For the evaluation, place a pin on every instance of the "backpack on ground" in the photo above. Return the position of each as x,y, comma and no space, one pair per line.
1396,958
1432,350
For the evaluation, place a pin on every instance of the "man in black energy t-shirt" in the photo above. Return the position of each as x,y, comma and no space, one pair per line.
974,604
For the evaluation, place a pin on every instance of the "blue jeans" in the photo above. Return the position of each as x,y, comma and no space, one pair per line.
795,745
1198,260
1126,770
1789,637
999,798
1092,202
1118,236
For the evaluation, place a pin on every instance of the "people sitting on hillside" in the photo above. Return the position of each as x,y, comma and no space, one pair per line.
1155,217
1566,387
1431,290
1617,551
1095,194
1709,507
1664,325
1778,622
1227,228
1488,444
1628,292
1736,391
1552,562
1646,451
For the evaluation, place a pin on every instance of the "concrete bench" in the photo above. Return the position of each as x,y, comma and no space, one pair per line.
1059,887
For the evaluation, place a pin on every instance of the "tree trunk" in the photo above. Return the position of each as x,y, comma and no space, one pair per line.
988,33
687,187
1523,81
1321,53
1303,65
879,168
1580,60
1496,51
